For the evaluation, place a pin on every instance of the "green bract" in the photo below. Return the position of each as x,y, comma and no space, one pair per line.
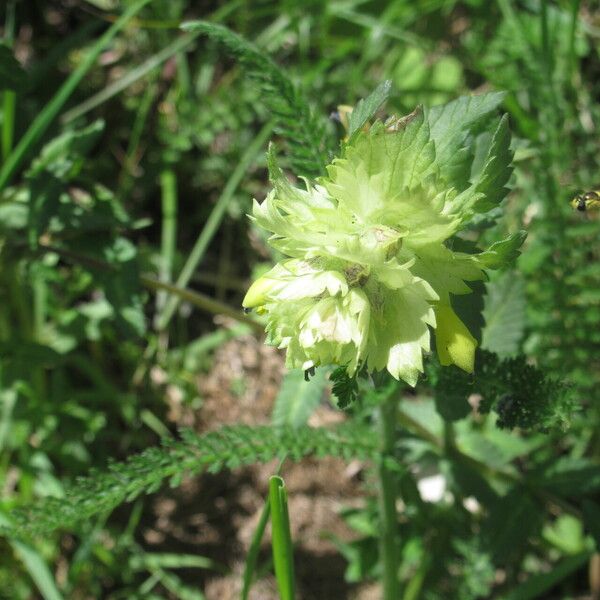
370,269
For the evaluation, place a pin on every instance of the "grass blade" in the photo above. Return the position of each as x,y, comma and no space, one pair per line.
368,106
283,558
168,184
213,222
131,77
38,570
48,114
252,558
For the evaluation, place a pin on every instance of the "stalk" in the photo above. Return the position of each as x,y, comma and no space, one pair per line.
387,414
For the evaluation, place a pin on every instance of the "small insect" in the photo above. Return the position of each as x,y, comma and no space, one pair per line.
587,200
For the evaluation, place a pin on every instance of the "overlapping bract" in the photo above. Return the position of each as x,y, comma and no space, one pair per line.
369,268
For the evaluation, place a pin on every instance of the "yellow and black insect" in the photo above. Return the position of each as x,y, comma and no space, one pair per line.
586,201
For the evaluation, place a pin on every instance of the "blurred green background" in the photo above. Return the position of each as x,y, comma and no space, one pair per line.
151,166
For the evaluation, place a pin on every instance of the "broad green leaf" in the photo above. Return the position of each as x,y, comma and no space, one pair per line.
298,398
469,308
504,314
566,534
368,106
59,161
450,124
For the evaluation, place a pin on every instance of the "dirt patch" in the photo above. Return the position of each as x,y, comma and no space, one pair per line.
216,515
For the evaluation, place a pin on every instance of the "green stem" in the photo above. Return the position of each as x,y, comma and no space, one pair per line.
196,298
387,498
168,185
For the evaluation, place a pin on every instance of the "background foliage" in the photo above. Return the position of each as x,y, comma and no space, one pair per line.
131,151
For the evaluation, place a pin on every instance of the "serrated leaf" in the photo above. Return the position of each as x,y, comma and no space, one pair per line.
298,398
504,315
58,162
121,284
503,253
100,492
12,75
496,170
368,106
451,123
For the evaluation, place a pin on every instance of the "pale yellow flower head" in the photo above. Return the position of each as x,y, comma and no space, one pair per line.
370,269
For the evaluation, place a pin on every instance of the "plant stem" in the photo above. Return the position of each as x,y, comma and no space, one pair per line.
387,498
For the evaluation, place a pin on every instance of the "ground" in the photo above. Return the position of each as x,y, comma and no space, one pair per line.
216,515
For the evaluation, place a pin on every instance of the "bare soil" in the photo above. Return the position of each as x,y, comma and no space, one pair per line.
216,515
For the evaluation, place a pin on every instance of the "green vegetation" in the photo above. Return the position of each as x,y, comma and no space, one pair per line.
134,137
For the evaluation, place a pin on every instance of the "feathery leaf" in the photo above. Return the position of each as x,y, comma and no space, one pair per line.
304,132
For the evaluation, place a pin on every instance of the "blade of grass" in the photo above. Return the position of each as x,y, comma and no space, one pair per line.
252,558
213,221
174,585
197,299
48,114
38,570
8,122
9,400
572,34
283,558
169,560
9,97
132,155
148,65
168,186
129,78
201,301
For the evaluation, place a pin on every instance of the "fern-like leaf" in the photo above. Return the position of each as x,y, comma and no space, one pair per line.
227,448
520,394
304,132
